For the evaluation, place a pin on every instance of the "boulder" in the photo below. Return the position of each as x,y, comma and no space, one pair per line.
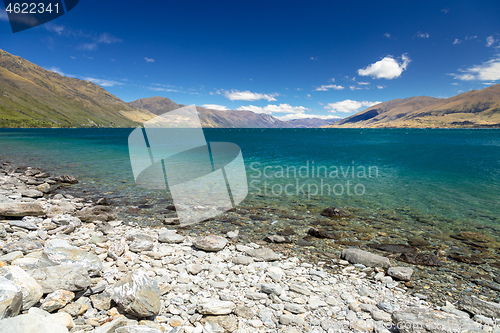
215,307
11,300
57,252
96,213
31,290
21,209
57,300
66,277
35,321
141,243
357,256
137,294
400,273
210,243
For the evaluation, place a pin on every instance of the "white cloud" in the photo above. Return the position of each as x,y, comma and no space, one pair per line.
363,83
58,29
104,38
103,83
313,58
348,106
457,41
355,88
306,116
380,87
56,70
387,35
424,35
487,71
282,108
490,41
326,87
246,95
3,15
445,10
215,107
149,59
387,68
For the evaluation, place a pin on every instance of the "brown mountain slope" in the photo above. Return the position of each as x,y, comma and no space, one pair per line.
31,96
476,108
213,118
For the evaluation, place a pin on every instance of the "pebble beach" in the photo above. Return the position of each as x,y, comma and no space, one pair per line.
71,264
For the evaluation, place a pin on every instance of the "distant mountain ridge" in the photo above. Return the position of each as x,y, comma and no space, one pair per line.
476,108
212,118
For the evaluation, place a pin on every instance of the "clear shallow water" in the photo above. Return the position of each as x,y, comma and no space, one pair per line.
447,178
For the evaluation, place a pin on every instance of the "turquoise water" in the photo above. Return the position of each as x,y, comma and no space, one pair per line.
447,178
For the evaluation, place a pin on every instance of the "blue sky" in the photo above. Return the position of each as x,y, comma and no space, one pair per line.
289,59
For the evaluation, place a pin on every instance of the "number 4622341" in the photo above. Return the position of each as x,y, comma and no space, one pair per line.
32,8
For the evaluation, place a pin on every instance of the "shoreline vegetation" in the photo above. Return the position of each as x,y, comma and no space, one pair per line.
70,264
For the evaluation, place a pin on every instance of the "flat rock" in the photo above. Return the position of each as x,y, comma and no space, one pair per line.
215,307
136,329
141,243
292,320
35,320
170,236
32,194
242,260
69,179
400,273
426,259
423,320
21,209
23,224
137,294
478,306
31,290
277,239
11,300
210,243
59,252
24,245
357,256
263,254
51,278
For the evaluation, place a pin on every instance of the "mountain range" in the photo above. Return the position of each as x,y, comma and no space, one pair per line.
475,108
31,96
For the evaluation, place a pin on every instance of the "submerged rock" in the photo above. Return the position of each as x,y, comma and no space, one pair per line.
426,259
137,294
393,248
357,256
320,233
334,212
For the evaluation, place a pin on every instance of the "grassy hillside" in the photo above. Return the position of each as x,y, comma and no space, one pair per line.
31,96
476,108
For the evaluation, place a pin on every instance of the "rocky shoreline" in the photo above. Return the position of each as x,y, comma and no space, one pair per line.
69,265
